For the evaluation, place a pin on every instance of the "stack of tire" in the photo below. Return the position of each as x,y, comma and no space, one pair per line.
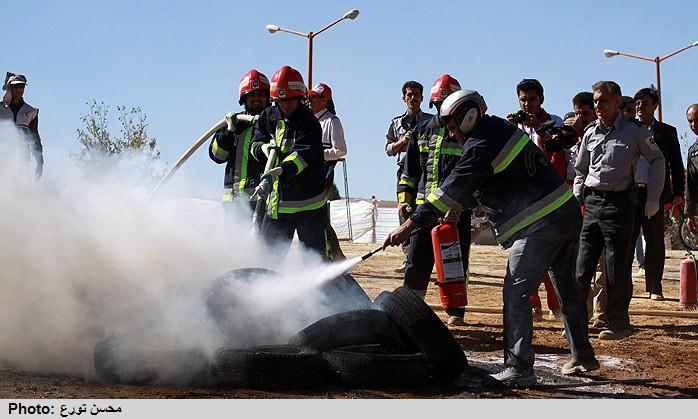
396,341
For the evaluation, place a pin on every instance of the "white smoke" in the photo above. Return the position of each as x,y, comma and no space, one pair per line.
86,257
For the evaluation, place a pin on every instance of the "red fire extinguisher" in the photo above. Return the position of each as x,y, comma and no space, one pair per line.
687,295
448,258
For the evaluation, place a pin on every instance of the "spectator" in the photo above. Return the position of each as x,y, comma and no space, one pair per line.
628,107
692,170
584,114
335,148
664,136
25,117
399,133
530,95
605,166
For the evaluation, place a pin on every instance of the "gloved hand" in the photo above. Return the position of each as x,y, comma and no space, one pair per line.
231,118
272,175
651,208
261,191
405,204
267,148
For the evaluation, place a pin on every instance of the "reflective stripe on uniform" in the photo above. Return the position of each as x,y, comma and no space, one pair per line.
510,150
297,160
449,149
435,160
441,201
242,155
408,181
285,145
292,207
227,195
535,212
218,152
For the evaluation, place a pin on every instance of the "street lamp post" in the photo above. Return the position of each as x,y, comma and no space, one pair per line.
609,53
351,14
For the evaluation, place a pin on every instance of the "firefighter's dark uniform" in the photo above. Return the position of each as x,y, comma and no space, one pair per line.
242,171
297,201
430,157
533,213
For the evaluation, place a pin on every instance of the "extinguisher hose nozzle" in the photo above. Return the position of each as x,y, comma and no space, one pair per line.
371,253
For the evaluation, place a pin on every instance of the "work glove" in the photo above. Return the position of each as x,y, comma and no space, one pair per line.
261,191
267,148
405,201
231,119
272,175
651,208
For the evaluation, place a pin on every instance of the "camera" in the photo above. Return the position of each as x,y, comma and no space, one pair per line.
517,117
561,138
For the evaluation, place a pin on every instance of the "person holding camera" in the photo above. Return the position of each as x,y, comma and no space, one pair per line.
530,118
604,183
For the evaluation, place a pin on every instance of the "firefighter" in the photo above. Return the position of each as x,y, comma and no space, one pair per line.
533,213
431,155
25,117
232,144
296,200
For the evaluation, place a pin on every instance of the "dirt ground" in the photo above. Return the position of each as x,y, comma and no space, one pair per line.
661,349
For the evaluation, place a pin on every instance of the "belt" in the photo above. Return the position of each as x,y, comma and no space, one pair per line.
607,194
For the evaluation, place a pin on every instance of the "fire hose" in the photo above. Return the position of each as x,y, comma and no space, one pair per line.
172,170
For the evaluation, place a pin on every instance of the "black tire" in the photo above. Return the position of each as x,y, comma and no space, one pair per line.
689,239
345,294
378,301
117,363
270,367
222,301
374,366
427,331
357,327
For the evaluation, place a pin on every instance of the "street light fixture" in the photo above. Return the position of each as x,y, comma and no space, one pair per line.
609,53
351,14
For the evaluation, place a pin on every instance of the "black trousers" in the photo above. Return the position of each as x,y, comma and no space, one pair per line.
653,232
608,229
420,261
310,226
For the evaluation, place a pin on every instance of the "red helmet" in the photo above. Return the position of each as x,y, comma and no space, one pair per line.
321,89
287,83
441,88
253,80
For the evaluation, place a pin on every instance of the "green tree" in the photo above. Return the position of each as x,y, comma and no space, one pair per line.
100,146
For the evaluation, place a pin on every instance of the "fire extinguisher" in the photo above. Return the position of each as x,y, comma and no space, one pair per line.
687,296
450,277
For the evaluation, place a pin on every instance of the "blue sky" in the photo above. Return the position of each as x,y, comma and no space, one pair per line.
181,63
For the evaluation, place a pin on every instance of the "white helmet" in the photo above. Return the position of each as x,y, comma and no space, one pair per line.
466,106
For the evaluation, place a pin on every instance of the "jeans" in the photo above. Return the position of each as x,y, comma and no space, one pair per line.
552,247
